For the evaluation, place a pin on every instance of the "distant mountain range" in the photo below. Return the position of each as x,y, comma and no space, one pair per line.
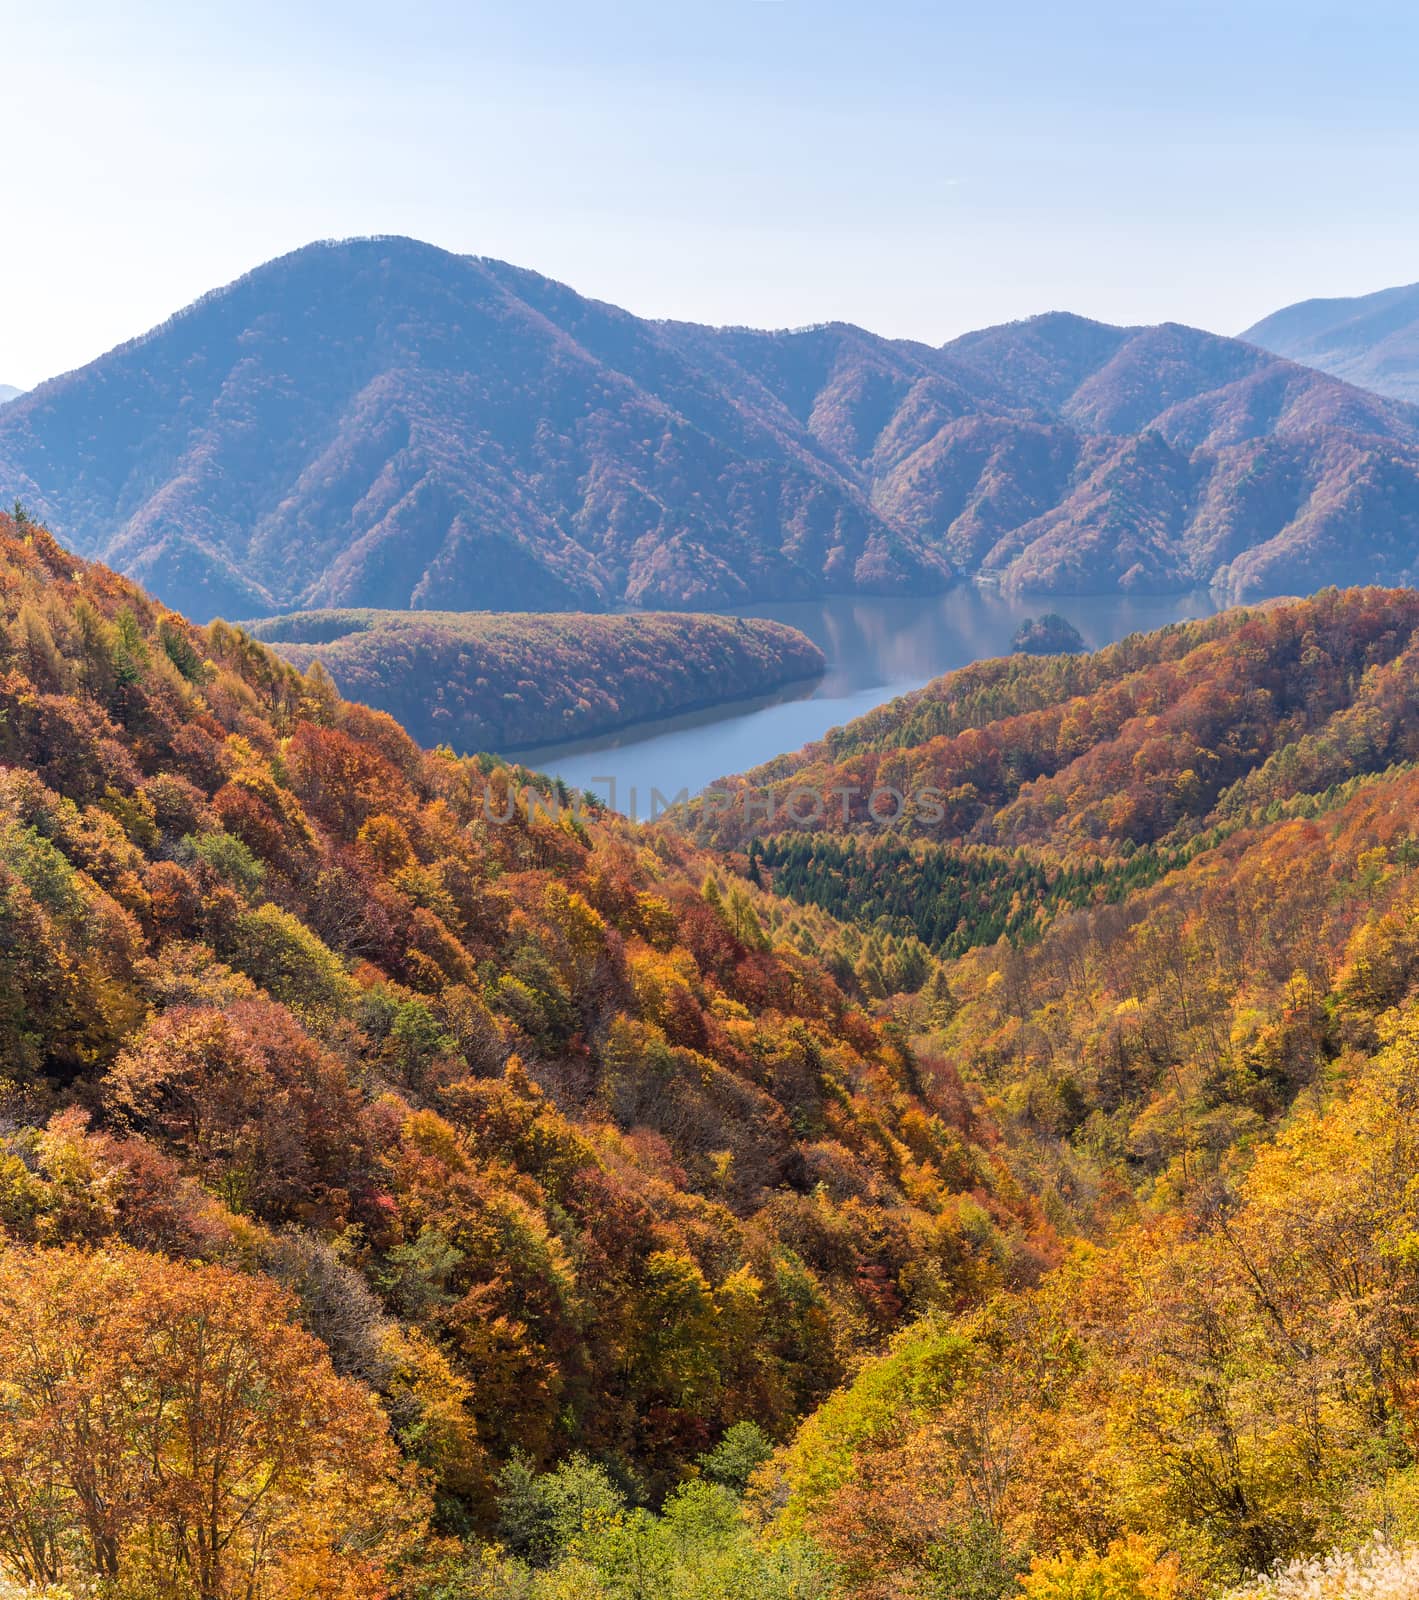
1370,339
8,392
379,423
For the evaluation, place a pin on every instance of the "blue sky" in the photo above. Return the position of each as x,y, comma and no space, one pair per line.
922,169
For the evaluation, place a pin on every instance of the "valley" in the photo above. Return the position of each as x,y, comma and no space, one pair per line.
875,651
709,811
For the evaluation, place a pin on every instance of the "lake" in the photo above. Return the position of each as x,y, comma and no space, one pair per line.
877,649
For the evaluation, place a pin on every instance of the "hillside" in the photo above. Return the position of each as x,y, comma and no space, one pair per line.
497,682
378,423
9,392
1199,1035
1141,745
307,1031
1370,339
487,1170
1224,1385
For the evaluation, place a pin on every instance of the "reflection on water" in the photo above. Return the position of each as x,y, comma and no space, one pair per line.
876,650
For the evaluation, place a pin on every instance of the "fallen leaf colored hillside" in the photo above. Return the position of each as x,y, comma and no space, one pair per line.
534,1130
1141,745
505,682
1210,1079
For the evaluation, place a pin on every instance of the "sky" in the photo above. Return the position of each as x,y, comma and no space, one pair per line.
922,169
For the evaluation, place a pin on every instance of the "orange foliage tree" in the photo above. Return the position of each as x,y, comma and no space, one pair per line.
168,1425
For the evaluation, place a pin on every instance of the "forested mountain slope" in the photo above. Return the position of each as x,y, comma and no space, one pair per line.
379,423
1151,861
1141,744
481,681
308,1032
1181,879
1212,1083
1369,339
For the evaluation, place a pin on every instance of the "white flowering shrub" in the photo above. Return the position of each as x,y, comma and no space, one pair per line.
1377,1571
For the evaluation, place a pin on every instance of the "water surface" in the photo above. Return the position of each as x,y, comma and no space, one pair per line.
876,649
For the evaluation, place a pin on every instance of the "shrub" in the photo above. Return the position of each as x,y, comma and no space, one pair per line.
1378,1571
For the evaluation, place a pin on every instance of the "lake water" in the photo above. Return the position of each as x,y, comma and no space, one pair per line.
877,649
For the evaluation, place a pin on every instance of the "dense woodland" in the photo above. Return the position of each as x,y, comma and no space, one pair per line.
378,422
482,681
948,897
400,1201
1212,1088
406,1148
1184,998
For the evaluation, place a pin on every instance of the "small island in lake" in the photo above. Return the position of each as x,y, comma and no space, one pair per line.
1049,635
508,681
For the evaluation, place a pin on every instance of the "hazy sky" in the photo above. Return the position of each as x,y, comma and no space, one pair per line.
922,169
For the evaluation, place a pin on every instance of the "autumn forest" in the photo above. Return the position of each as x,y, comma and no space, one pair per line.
709,801
409,1190
419,1181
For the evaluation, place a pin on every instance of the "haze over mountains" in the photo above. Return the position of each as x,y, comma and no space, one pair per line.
1369,339
381,423
9,392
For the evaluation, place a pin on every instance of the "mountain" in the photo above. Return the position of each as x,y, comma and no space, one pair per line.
1006,793
481,681
1178,876
381,423
8,392
378,423
1371,340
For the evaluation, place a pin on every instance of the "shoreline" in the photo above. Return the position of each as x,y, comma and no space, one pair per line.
686,716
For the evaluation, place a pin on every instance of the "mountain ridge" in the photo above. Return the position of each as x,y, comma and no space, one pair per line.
1371,340
381,423
1032,752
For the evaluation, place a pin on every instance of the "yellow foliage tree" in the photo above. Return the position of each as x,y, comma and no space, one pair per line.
168,1429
